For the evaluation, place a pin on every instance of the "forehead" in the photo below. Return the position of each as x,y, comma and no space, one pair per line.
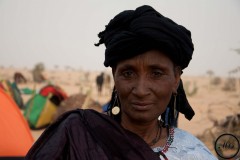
153,57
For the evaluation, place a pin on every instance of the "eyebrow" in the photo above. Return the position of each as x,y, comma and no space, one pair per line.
157,66
126,67
150,66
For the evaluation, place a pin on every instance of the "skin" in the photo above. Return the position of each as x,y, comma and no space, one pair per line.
144,85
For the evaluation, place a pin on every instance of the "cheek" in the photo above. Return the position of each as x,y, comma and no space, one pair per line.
124,92
123,88
163,93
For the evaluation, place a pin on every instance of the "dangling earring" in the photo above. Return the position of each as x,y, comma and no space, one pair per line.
166,121
175,112
174,105
115,109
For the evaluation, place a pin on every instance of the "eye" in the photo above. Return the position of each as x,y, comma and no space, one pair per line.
128,74
157,73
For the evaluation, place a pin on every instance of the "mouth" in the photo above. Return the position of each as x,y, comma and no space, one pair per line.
141,106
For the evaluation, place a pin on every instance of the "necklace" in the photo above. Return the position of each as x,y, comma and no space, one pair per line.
170,140
161,152
158,135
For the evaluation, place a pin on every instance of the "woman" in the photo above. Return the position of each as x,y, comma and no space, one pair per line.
147,53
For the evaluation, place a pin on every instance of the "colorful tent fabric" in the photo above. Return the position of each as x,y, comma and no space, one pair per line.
16,93
27,91
41,108
15,135
13,91
39,111
6,85
57,93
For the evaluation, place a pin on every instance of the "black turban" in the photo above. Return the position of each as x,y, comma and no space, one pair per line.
133,32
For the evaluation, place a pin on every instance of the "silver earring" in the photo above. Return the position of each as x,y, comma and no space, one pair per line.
115,109
175,105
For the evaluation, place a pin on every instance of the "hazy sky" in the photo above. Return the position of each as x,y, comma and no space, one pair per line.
63,32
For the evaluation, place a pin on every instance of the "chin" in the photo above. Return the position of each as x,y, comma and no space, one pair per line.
143,118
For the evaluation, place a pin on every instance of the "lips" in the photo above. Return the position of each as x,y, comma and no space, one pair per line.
141,106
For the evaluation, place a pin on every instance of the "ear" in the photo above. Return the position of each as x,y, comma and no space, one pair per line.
113,70
177,79
176,85
113,73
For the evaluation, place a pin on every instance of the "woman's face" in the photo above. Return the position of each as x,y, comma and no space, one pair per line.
144,85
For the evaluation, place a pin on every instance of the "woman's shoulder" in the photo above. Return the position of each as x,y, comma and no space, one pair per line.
184,138
82,114
185,142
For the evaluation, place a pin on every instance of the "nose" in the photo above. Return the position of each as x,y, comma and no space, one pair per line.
141,87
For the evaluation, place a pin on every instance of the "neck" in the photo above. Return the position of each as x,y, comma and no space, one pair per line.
147,131
152,133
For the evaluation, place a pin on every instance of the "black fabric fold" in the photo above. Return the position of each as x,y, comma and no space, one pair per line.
183,105
87,134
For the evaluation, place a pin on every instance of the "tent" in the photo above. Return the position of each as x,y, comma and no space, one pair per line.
15,136
13,91
41,108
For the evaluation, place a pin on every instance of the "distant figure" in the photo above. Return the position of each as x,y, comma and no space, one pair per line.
37,73
38,77
107,84
19,78
99,82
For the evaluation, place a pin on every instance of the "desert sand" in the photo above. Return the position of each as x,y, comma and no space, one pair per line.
211,97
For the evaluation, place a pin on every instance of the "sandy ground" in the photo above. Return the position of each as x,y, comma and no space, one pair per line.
208,96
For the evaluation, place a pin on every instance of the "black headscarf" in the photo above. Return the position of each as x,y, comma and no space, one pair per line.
133,32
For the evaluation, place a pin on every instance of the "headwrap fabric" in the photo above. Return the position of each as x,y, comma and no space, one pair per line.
183,105
133,32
